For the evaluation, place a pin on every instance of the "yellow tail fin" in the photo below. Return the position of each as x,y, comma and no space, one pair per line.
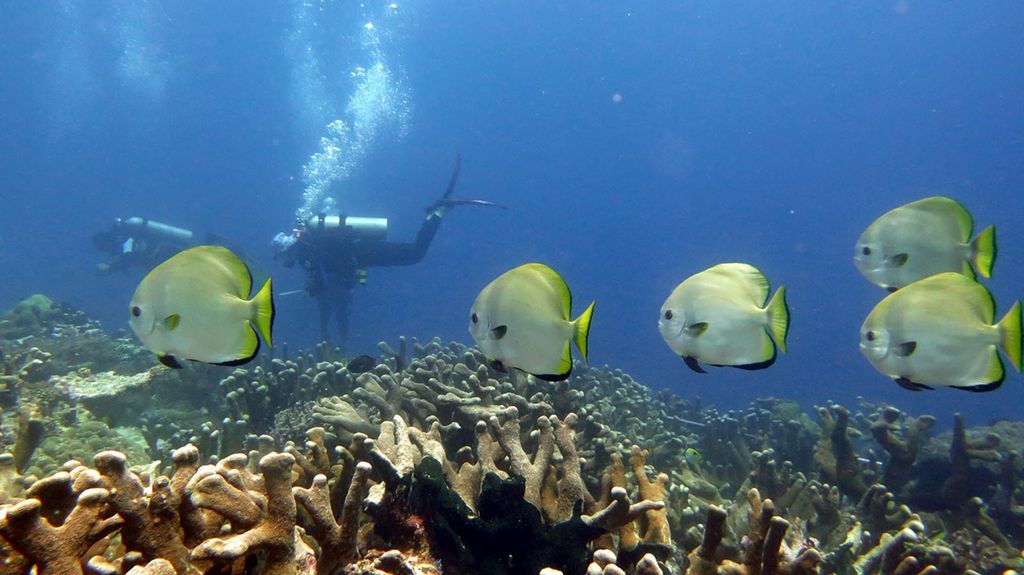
582,329
778,318
1009,333
983,251
263,314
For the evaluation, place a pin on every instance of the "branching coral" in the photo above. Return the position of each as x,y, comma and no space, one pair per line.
432,461
902,442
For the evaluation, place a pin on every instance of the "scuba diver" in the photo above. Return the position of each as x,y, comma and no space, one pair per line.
336,250
140,242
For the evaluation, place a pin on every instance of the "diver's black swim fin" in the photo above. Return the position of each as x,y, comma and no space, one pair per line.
452,202
455,177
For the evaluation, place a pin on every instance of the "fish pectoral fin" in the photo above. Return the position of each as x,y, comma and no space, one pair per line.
906,348
899,260
171,322
910,385
499,332
169,360
692,364
696,329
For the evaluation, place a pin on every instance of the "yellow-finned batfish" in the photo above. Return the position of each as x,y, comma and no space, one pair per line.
521,320
921,239
939,332
196,306
719,316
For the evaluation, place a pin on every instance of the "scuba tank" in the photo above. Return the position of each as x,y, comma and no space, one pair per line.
158,230
358,227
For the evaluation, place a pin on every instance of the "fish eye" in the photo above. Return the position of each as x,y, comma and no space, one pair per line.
870,336
668,314
866,251
474,318
136,311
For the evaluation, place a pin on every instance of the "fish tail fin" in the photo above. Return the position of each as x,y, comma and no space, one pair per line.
1009,334
778,318
581,327
263,312
983,251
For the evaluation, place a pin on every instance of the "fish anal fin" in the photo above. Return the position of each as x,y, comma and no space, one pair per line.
237,362
910,385
553,376
253,344
758,365
979,388
169,360
693,364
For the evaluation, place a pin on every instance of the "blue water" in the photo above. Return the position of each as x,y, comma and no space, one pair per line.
633,143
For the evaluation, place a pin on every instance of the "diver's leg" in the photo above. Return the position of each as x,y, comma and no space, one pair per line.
342,313
324,305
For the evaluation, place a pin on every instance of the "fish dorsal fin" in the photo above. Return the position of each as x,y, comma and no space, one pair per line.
948,207
235,267
968,293
555,281
979,299
750,278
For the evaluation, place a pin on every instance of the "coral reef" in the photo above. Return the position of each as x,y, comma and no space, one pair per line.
433,462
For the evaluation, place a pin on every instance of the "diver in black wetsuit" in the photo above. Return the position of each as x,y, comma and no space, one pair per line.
140,242
335,251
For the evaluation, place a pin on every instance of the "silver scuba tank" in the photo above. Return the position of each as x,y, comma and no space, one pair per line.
355,226
157,229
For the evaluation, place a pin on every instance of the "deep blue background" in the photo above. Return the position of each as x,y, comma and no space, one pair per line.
748,131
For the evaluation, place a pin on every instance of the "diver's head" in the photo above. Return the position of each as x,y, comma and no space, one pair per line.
283,245
109,241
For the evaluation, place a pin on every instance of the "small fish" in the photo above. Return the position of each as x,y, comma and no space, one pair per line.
921,239
521,320
939,332
720,316
693,457
195,306
361,364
